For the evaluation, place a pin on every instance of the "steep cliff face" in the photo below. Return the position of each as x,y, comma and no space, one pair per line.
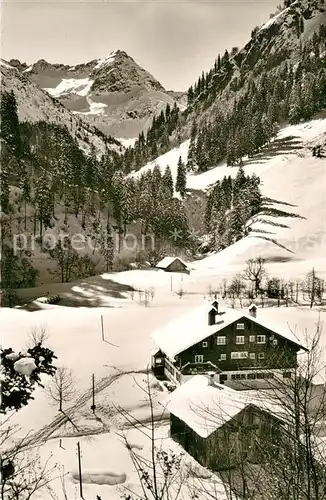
114,93
272,46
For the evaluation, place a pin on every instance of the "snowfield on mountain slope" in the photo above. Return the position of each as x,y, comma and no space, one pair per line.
79,86
292,180
36,105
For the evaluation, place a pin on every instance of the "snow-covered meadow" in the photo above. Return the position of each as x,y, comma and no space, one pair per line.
119,364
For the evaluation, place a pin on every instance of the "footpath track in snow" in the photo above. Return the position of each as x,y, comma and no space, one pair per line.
67,416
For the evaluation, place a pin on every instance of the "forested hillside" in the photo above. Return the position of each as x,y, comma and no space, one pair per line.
50,186
238,106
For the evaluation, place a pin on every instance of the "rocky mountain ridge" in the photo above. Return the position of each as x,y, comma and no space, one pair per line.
36,105
115,94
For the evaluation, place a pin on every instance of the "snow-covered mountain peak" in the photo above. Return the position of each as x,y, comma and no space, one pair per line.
114,92
107,60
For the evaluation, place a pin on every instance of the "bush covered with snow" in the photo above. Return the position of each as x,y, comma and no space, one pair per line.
50,299
25,366
21,372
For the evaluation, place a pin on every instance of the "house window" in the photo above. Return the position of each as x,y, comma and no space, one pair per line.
221,340
240,326
239,355
199,358
261,355
239,339
238,376
252,338
204,344
252,355
261,339
251,376
275,342
222,357
287,374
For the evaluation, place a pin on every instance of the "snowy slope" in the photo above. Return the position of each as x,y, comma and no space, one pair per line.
170,158
274,19
293,179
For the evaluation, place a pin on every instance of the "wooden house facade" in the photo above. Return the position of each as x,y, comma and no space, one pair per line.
237,346
237,441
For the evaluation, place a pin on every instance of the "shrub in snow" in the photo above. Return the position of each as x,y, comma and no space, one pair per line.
12,356
51,299
25,366
16,387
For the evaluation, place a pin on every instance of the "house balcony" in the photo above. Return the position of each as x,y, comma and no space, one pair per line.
199,368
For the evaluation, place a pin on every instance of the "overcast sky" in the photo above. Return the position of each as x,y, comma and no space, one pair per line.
174,41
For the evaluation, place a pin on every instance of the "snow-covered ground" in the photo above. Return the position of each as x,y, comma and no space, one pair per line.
119,362
127,142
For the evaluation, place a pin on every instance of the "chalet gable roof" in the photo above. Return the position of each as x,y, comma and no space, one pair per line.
205,407
191,328
167,261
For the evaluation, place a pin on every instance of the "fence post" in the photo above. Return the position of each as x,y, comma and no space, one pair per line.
93,407
80,471
102,327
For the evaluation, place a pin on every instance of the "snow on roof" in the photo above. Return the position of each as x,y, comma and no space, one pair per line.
155,351
191,328
205,407
281,330
164,263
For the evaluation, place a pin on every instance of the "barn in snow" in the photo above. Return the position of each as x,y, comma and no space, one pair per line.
222,428
173,265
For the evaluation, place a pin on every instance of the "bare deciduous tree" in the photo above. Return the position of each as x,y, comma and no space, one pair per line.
152,292
311,286
165,474
255,272
292,455
61,388
37,335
